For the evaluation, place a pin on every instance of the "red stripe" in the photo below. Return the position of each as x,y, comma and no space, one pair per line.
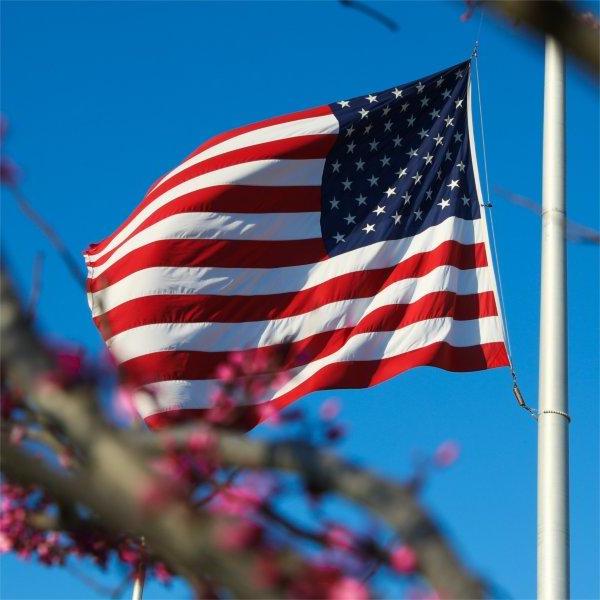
304,114
319,111
198,308
362,374
173,364
234,199
253,254
306,147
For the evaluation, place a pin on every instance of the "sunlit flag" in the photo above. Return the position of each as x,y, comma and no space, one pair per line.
336,247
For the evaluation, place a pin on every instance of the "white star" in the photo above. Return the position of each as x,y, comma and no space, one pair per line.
396,218
453,184
406,198
350,219
417,177
449,121
368,128
412,152
461,166
373,180
459,73
410,120
361,200
360,165
404,106
339,238
435,113
397,93
391,191
397,141
344,103
466,201
439,82
334,203
458,137
444,203
419,214
379,210
385,161
371,98
446,94
336,166
363,113
425,102
439,174
428,158
386,110
350,131
420,87
438,139
401,173
387,126
347,184
458,103
423,133
428,194
448,155
373,145
368,228
351,147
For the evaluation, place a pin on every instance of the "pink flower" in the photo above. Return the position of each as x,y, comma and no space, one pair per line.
446,454
403,560
339,537
201,441
348,588
330,409
162,573
9,172
124,403
238,536
6,544
226,373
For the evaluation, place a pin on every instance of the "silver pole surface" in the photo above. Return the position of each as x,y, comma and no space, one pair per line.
553,440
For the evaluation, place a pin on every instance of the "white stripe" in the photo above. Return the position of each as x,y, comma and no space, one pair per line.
380,345
270,173
231,281
326,124
363,347
225,226
226,337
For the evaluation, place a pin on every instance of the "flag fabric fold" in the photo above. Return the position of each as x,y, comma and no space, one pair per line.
332,248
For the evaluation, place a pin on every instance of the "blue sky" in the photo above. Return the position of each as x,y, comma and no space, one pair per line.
105,97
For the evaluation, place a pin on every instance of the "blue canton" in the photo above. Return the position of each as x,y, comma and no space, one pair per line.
401,163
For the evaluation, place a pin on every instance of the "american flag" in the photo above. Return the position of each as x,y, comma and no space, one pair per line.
350,236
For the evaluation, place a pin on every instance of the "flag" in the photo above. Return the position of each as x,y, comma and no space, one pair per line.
349,240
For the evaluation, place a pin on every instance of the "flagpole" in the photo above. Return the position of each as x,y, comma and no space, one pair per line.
553,421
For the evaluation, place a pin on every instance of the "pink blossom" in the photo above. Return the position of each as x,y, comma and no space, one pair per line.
226,373
348,588
162,573
124,403
6,544
9,172
330,409
403,560
446,454
339,537
238,536
201,441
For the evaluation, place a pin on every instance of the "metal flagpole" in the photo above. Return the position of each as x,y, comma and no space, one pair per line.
553,421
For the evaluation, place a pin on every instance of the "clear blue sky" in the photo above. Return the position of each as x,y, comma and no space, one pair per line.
105,97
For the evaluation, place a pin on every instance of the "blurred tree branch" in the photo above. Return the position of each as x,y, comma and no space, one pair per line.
114,470
577,32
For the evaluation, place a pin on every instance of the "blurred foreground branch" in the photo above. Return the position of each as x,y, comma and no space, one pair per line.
112,470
